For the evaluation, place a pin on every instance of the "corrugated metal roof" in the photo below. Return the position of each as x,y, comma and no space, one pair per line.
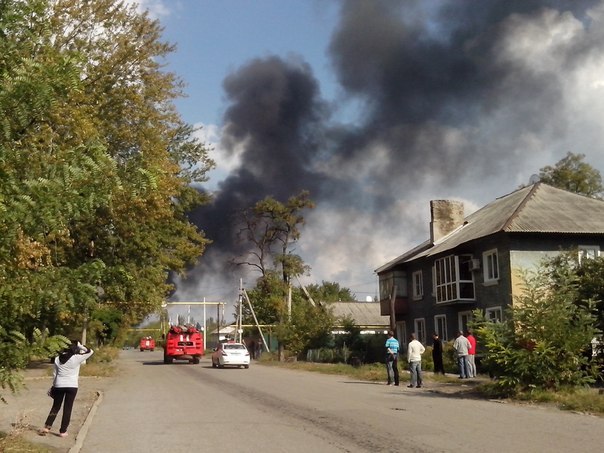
538,208
365,314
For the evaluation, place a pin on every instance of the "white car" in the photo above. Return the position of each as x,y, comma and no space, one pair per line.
231,354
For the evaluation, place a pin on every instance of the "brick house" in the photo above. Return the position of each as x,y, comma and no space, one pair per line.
474,262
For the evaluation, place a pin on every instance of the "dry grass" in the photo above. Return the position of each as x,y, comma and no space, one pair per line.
13,442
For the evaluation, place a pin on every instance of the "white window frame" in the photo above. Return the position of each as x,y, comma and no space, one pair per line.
460,320
588,252
447,281
440,326
417,282
419,327
490,258
496,311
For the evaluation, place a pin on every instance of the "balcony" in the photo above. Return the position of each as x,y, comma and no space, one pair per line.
401,306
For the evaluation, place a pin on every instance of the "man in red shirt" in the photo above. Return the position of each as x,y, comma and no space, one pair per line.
471,354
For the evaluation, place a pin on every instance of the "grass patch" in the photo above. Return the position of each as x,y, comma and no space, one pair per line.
11,443
573,399
101,364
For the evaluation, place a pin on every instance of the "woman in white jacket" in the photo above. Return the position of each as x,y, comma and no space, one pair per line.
65,384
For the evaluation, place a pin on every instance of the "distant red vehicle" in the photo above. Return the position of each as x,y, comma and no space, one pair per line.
183,343
147,344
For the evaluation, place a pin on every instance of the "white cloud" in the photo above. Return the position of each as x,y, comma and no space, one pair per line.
156,8
226,162
539,44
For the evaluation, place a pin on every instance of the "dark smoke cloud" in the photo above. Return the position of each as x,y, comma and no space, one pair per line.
448,95
443,70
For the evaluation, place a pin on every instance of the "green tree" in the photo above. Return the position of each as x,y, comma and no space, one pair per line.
308,327
541,342
588,274
330,292
272,228
573,174
96,168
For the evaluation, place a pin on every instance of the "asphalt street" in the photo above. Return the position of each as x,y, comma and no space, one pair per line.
151,407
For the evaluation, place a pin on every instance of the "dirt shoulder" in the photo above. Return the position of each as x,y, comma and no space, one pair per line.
26,411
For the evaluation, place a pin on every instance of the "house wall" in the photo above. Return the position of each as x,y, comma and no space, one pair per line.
530,250
515,253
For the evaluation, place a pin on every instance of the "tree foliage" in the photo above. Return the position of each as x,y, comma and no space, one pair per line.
573,174
542,341
330,292
308,327
588,273
96,166
272,228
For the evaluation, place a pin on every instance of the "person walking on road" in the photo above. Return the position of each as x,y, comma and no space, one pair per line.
392,347
471,354
64,388
414,356
462,346
437,354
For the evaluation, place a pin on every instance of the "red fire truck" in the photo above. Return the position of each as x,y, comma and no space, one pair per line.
183,343
147,343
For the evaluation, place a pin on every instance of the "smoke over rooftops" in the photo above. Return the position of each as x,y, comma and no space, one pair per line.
453,94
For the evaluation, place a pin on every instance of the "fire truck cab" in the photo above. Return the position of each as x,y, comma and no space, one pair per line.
147,344
183,343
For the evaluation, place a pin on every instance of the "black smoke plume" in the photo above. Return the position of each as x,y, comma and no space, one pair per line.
450,94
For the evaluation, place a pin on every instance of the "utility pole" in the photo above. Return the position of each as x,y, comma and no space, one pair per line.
255,319
289,300
392,314
240,313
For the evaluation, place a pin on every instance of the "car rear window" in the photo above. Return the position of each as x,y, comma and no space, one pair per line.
234,346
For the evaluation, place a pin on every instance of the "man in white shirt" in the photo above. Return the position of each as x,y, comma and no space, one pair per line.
414,356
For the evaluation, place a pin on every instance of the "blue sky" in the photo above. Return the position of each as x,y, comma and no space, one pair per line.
214,38
378,107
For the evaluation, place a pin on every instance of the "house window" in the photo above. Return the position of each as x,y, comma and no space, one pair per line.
420,330
464,318
440,326
491,266
453,279
418,285
588,252
494,314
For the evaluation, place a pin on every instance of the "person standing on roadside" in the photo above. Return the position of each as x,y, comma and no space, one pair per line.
64,389
437,354
414,356
471,354
392,347
462,346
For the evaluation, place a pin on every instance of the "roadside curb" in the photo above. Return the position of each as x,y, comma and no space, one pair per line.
81,436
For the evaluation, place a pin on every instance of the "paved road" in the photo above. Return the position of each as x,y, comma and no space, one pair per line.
154,407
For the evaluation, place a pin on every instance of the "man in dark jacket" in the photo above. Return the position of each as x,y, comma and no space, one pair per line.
437,354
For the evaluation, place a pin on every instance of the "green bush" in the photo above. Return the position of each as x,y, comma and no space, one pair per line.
540,343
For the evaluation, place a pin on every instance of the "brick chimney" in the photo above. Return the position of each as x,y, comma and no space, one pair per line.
446,215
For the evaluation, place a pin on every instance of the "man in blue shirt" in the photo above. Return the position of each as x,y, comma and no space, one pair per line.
392,348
